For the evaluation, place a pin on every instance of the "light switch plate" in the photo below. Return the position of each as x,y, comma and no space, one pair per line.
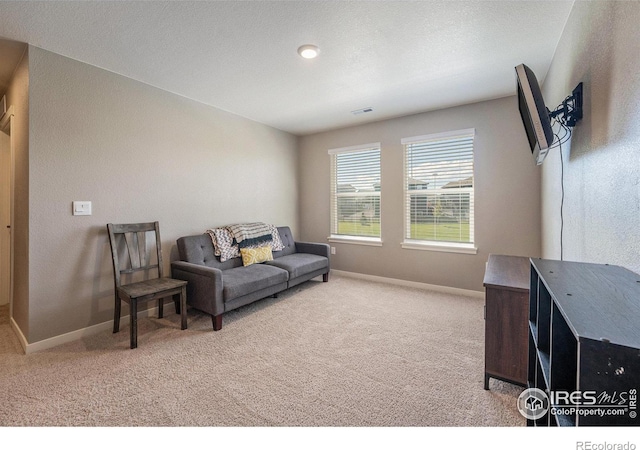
81,208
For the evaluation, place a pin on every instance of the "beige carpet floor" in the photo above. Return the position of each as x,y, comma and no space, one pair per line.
348,353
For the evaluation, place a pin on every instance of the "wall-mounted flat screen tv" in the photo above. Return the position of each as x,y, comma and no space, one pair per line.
534,113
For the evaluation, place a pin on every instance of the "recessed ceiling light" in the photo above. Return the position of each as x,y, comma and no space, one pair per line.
308,51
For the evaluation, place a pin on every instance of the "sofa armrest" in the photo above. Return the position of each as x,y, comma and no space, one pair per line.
313,248
204,287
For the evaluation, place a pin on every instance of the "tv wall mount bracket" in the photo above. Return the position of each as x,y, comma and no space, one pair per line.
570,110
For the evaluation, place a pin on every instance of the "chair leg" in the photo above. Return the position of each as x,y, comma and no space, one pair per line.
160,308
116,314
133,326
217,322
183,307
325,277
176,302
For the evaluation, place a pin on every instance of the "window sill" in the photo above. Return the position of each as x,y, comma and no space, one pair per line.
448,247
358,240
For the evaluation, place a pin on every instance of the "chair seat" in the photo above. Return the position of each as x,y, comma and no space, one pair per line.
153,288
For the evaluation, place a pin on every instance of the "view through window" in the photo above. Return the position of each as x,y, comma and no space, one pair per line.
355,191
439,204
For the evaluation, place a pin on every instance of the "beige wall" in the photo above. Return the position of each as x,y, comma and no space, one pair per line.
18,97
139,154
599,47
507,194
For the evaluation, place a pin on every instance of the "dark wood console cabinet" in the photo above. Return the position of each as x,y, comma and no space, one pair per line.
506,283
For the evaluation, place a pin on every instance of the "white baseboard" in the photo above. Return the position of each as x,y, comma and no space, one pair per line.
18,332
77,334
413,284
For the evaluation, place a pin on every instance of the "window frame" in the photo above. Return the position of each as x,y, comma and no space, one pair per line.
334,194
428,244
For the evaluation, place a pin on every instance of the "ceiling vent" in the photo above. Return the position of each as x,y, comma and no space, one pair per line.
362,111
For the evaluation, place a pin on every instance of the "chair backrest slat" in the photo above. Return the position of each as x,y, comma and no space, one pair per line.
143,252
136,245
123,271
133,249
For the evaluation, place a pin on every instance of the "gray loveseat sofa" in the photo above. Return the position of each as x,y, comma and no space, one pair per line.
218,287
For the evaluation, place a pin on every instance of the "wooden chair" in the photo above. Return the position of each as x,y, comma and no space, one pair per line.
139,260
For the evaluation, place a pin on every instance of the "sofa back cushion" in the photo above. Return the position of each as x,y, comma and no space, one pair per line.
198,249
289,243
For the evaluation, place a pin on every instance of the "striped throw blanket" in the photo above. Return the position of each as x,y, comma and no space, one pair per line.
226,247
250,232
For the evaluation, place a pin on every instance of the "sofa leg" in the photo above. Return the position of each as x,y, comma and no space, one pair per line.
275,295
325,277
217,322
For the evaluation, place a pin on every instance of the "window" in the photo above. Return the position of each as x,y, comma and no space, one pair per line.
439,191
355,194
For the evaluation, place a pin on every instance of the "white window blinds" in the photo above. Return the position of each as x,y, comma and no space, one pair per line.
439,188
355,191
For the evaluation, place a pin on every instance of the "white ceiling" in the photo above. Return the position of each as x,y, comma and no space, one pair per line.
398,57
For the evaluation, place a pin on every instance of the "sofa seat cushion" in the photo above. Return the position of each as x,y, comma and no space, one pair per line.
300,264
241,281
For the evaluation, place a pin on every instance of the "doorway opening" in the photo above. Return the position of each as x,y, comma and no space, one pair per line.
6,212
